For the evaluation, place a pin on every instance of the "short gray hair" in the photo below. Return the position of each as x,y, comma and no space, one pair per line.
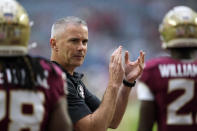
61,24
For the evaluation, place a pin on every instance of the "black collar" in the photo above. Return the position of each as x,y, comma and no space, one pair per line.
76,75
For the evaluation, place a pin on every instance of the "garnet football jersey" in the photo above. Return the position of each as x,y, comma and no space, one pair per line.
172,84
24,109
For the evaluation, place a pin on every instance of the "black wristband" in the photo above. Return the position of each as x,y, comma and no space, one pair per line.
128,84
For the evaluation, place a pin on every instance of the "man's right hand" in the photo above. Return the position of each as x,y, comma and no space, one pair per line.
116,71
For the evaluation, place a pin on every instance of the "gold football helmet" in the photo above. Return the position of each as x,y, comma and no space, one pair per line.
179,28
14,29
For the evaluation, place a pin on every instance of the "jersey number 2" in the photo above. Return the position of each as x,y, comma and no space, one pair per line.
180,119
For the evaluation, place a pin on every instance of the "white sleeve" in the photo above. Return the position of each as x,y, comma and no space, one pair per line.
144,93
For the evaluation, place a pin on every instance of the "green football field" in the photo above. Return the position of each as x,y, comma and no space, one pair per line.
130,119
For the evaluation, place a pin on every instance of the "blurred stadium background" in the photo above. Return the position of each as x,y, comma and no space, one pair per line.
131,23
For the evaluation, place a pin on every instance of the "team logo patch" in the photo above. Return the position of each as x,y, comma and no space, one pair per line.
9,17
81,91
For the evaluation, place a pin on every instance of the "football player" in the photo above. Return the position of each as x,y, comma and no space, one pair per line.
32,90
168,86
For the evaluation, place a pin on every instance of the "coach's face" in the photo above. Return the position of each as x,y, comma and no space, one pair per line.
72,45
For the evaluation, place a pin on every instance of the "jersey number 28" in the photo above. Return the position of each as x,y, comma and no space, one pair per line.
25,109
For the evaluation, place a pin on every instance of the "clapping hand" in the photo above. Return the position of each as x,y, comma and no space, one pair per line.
116,70
133,69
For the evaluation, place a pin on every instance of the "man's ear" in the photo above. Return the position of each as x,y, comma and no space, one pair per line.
52,42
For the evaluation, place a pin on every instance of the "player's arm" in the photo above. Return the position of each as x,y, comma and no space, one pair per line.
147,115
60,120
